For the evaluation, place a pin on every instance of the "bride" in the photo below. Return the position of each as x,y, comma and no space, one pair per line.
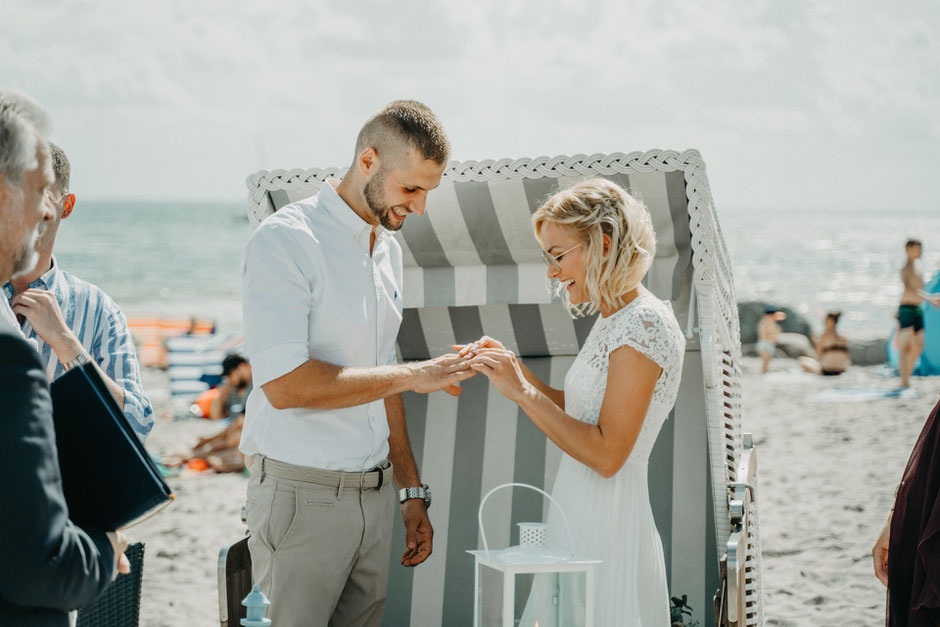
599,242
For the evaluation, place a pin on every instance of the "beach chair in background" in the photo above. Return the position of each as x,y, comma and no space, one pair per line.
119,604
473,267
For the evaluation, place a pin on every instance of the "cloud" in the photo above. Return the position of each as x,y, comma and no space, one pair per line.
185,99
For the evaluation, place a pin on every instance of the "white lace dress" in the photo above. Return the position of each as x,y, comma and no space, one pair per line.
611,518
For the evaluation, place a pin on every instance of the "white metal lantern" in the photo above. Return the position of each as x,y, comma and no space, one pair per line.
551,569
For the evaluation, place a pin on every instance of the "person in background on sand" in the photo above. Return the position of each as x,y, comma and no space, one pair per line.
906,554
767,333
910,316
220,451
73,321
322,299
234,390
832,350
48,565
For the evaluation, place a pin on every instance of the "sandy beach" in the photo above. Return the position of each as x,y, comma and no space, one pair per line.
826,479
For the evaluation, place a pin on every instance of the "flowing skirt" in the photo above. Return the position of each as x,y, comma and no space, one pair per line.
610,520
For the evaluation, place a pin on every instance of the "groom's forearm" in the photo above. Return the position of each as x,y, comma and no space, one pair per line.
399,446
317,384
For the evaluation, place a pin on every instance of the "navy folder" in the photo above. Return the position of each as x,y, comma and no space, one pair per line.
108,477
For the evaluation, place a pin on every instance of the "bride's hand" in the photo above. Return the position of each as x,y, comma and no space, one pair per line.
474,347
503,370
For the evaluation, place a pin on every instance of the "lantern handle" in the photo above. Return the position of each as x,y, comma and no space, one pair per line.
564,517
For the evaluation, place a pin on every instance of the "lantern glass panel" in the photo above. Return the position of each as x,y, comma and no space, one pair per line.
558,599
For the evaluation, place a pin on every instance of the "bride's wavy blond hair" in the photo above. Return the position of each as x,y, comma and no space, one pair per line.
590,210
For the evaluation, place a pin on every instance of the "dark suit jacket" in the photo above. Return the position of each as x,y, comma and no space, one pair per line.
47,565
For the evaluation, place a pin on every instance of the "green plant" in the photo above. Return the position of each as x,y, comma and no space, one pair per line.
679,609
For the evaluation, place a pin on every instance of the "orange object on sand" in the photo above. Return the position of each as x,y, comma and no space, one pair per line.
203,402
197,464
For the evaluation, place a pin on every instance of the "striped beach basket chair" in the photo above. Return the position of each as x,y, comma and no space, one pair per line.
473,267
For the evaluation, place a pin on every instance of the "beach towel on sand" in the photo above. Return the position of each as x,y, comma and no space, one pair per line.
914,548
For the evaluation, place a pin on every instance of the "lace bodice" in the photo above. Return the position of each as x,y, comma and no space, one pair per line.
649,326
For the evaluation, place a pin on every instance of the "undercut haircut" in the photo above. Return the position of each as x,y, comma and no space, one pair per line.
61,167
23,126
400,125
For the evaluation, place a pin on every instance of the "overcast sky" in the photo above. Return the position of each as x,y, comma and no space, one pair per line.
808,104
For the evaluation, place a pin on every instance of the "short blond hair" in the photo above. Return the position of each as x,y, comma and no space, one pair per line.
592,209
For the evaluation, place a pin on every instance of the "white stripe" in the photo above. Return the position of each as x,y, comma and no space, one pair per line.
493,317
534,286
443,212
559,368
515,221
438,330
470,284
414,287
559,330
427,595
499,452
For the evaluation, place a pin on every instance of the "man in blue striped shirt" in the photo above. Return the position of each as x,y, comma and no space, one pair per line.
73,321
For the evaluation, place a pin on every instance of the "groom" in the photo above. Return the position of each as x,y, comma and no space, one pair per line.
322,299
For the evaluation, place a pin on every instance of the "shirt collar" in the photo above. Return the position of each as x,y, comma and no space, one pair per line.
344,214
44,282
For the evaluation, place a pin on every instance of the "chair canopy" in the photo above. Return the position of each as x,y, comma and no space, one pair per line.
473,267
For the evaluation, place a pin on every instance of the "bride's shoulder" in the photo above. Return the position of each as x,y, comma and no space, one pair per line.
650,316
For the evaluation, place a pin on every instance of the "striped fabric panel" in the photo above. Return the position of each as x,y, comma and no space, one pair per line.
473,267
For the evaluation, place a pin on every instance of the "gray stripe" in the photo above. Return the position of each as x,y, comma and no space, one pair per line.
440,287
279,198
465,495
411,342
583,326
467,324
679,208
530,335
424,243
537,191
400,578
502,284
661,467
479,214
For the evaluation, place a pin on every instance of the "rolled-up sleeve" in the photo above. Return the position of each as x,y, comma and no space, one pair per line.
278,285
114,351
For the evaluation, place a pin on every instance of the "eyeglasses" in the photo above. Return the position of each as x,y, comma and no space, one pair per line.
554,261
53,199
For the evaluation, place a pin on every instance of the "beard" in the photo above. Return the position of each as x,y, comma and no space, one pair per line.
28,256
377,203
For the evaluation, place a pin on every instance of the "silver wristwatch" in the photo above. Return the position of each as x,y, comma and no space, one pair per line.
423,493
82,358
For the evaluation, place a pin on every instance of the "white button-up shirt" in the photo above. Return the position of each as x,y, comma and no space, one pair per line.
311,290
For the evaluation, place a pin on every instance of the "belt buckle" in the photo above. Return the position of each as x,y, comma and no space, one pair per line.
381,477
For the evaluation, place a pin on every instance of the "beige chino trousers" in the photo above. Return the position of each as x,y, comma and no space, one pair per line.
320,554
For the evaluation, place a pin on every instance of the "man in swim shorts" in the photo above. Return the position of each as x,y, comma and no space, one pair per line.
910,316
767,333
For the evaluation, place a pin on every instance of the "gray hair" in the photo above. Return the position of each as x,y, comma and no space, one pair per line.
23,125
61,167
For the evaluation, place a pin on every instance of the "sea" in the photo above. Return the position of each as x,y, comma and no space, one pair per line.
181,259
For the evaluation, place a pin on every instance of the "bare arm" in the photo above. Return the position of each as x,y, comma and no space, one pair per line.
317,384
219,408
418,531
604,447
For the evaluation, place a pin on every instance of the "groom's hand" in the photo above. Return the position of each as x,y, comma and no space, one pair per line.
441,373
471,349
419,534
